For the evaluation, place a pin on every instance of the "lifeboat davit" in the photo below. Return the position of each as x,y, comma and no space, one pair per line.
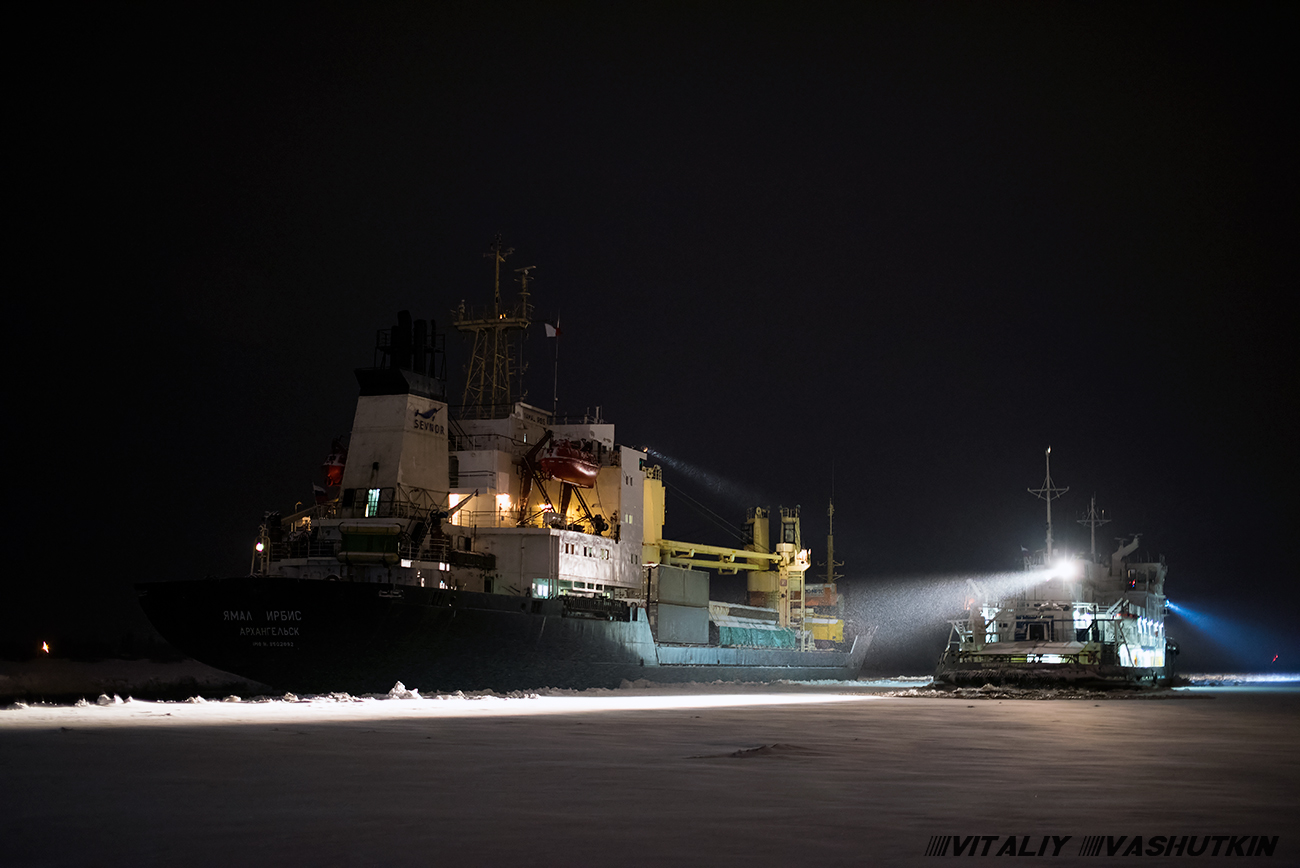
570,461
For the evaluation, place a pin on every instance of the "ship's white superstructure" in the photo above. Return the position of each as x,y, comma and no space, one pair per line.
420,506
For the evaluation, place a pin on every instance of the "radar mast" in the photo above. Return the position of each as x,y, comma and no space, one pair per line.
494,375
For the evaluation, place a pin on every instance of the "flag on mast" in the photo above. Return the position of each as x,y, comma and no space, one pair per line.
553,329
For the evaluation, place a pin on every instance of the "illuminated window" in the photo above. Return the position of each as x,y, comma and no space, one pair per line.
372,502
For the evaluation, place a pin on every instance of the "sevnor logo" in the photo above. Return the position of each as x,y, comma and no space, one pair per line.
1102,845
426,421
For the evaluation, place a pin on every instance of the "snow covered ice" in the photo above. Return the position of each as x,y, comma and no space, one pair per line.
835,773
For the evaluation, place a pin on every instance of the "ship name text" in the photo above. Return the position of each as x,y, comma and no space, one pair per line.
271,615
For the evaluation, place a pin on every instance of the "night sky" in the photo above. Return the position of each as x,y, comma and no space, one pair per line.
914,242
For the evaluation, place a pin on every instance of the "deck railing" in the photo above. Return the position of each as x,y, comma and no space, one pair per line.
436,551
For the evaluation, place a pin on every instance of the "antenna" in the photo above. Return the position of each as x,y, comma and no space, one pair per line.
498,254
523,281
831,563
1093,520
1048,492
524,273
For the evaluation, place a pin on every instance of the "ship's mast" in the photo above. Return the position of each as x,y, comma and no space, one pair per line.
1093,520
494,377
1048,492
831,563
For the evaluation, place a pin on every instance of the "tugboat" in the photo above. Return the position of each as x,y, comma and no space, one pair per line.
1086,620
495,545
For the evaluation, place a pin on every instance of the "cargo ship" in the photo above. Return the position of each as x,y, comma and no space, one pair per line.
495,545
1068,619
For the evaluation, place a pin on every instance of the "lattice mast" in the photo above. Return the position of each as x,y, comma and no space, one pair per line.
494,375
1048,492
1092,520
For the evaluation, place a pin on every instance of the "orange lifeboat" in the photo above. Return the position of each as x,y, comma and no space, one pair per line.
334,464
571,461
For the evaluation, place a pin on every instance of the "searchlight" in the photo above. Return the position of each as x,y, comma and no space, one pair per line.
1065,568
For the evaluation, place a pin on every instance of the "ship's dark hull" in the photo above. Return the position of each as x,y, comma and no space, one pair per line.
320,637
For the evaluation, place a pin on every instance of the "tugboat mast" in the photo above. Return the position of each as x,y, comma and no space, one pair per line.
1093,520
1048,492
